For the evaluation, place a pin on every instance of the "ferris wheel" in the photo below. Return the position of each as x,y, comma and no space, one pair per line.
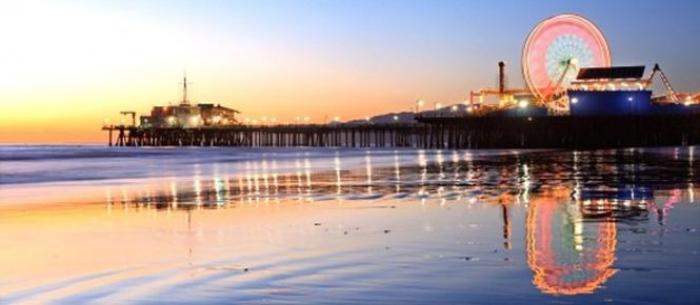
556,49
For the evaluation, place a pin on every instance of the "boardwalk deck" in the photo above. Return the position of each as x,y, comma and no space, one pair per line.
436,132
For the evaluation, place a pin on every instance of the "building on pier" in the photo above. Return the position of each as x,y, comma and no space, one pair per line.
186,115
189,116
609,91
605,91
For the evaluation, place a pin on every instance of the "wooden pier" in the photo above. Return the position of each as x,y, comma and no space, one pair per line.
390,135
435,132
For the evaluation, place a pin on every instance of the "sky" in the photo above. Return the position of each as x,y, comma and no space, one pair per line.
66,67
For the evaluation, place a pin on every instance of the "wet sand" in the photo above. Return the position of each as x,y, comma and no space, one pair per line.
352,227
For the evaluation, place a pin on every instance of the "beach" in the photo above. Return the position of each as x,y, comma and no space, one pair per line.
92,224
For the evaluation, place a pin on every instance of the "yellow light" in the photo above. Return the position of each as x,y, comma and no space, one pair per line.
453,108
522,104
438,106
194,120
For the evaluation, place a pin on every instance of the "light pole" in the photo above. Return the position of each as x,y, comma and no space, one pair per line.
419,104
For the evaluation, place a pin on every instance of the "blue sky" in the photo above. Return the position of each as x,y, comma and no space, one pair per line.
69,63
453,35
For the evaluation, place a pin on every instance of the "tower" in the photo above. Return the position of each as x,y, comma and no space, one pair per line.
501,78
184,91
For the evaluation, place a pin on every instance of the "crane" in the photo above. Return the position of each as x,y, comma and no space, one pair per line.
671,94
133,116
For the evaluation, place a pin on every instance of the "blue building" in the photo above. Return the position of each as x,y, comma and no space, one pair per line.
617,91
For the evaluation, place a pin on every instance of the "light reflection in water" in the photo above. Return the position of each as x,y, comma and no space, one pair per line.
570,228
368,166
197,186
562,262
397,172
307,174
338,181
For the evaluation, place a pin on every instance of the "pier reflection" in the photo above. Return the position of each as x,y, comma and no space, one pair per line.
571,204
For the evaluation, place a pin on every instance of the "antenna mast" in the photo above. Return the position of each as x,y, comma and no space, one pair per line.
184,91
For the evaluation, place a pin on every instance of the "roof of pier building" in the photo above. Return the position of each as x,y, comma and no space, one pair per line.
598,73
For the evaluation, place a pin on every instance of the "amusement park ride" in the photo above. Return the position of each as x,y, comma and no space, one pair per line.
569,78
555,52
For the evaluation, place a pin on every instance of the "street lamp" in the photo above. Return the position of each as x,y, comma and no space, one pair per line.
419,104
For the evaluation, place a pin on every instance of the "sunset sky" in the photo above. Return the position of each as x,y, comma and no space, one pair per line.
66,66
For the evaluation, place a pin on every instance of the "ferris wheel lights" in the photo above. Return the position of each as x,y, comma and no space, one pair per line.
557,48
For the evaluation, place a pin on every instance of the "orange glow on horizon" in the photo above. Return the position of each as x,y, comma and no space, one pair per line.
62,79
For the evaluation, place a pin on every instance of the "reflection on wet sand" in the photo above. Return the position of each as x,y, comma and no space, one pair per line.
570,204
563,261
570,229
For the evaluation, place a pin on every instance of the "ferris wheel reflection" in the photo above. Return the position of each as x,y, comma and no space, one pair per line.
570,228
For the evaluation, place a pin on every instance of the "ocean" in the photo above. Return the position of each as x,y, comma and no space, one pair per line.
101,225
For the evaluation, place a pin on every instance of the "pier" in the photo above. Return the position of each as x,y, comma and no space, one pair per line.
433,132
